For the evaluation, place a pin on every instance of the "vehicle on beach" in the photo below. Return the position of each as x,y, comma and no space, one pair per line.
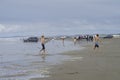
108,37
31,39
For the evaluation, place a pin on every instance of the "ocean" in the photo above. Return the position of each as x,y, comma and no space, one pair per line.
22,61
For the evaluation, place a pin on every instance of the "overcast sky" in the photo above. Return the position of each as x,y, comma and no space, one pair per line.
53,17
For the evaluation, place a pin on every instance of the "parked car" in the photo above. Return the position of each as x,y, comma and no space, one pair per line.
108,36
31,39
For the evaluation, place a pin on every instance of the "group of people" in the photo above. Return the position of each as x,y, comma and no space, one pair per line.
95,38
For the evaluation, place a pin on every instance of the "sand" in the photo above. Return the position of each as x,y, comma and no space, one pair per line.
89,64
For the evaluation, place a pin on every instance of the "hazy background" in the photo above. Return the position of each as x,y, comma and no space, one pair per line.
59,17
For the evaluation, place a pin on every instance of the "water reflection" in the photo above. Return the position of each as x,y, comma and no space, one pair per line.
43,56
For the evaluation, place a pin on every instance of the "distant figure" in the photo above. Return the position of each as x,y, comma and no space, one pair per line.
42,40
63,41
87,38
75,40
96,39
63,38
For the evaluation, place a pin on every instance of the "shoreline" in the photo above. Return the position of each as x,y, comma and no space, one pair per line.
24,61
87,64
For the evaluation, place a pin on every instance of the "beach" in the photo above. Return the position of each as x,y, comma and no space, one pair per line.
22,60
89,64
59,39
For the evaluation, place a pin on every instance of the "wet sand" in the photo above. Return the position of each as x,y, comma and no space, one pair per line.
25,61
89,64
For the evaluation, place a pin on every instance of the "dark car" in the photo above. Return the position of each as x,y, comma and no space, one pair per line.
31,39
108,36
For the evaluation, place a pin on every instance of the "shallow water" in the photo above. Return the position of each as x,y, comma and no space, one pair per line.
21,61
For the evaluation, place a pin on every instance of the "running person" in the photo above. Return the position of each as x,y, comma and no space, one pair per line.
42,40
96,39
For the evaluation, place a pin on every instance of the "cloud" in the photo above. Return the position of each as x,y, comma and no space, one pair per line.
65,26
2,28
8,28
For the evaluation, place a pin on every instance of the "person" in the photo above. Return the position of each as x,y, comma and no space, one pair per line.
75,40
96,39
63,38
42,40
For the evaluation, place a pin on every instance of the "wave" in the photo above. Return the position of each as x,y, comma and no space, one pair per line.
12,39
